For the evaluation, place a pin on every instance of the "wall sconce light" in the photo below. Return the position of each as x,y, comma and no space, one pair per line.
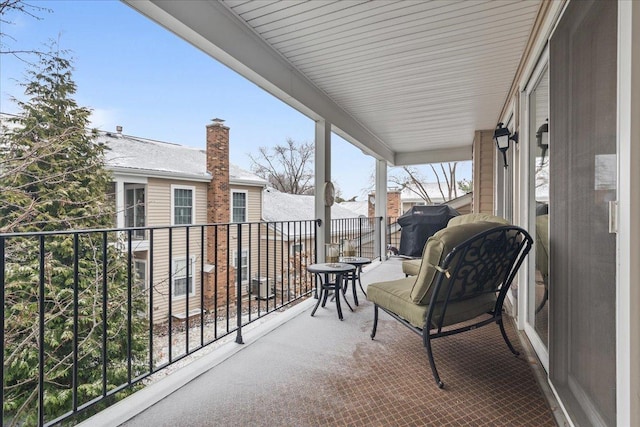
502,136
542,139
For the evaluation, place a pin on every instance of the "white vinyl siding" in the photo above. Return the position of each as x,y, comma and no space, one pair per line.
159,209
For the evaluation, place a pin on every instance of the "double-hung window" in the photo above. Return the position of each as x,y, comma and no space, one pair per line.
182,204
239,206
297,248
134,214
140,270
244,264
183,280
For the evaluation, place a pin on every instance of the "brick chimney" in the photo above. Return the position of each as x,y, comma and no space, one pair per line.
218,207
394,204
218,167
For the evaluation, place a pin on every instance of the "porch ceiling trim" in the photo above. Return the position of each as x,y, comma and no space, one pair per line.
434,156
211,27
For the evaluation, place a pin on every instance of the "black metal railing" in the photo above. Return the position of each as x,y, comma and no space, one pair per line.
393,236
89,315
357,236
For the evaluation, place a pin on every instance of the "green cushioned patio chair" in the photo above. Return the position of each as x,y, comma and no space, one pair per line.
466,272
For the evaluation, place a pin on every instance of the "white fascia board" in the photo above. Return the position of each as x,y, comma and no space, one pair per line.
433,156
128,178
213,28
247,182
158,174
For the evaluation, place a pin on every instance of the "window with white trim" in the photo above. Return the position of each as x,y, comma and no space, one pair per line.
297,248
182,204
244,264
183,280
134,213
140,269
239,206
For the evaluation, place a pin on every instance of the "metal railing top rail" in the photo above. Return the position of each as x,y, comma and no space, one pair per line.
146,228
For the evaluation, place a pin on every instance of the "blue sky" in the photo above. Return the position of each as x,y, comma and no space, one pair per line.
133,73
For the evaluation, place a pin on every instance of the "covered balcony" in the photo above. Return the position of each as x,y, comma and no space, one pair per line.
212,355
407,82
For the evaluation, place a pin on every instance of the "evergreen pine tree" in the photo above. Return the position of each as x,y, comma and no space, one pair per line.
52,178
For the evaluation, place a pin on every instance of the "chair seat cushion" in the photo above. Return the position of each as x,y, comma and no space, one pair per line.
411,267
395,296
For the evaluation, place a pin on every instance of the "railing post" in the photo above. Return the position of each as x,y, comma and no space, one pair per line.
315,254
360,236
41,325
239,286
2,284
74,362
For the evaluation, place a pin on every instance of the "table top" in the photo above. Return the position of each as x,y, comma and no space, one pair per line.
355,260
330,267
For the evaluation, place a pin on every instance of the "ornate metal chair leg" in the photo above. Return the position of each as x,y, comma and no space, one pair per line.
506,338
427,344
375,321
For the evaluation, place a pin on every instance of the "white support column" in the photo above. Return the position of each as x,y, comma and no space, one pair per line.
322,163
381,206
119,203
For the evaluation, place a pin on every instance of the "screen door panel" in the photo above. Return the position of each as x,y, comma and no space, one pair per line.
583,181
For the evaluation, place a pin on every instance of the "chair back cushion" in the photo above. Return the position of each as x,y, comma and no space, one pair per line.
474,217
436,249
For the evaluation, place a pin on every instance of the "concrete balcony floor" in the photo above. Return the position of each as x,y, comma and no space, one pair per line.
298,370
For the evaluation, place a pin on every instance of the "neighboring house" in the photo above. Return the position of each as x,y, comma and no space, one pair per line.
347,224
462,203
410,197
358,207
159,184
400,201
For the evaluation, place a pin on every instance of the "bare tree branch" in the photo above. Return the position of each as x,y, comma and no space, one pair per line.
7,7
288,168
412,180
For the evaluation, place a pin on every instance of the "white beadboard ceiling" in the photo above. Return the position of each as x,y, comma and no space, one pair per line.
406,81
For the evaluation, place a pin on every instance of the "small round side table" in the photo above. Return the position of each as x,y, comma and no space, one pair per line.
322,272
358,262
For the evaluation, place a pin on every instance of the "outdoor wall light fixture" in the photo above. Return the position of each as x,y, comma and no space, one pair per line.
542,139
502,136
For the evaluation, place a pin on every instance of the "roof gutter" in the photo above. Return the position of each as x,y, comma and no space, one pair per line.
147,173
